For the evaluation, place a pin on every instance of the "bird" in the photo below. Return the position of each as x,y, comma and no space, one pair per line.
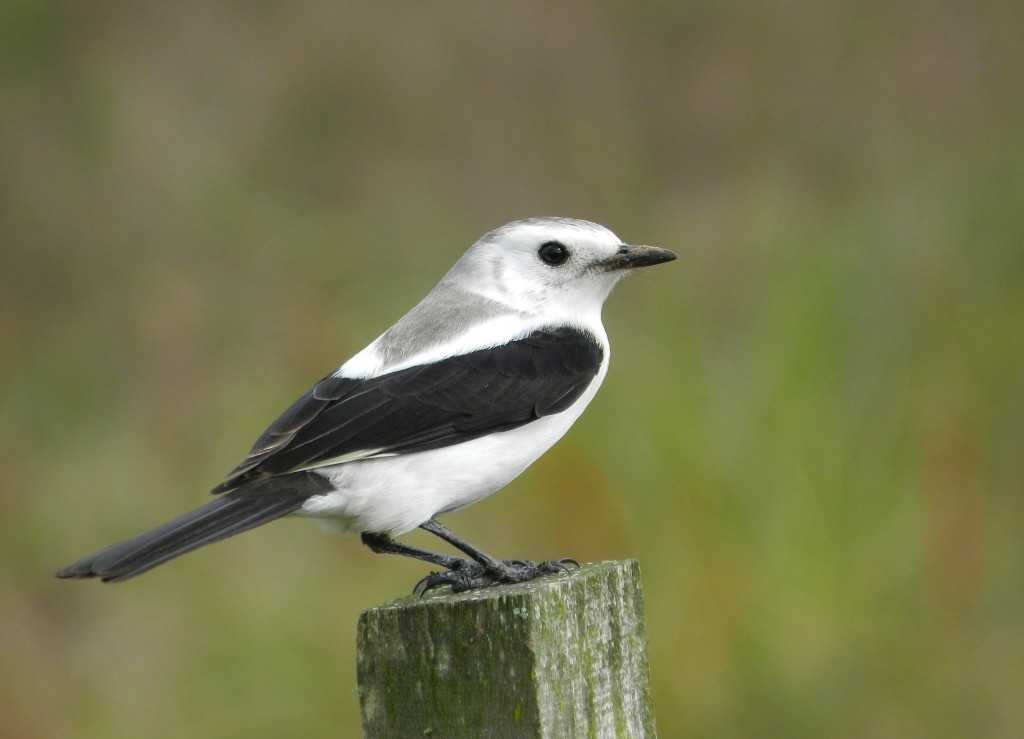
446,407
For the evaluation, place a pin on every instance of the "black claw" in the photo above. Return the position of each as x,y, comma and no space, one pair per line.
427,583
473,576
460,582
564,563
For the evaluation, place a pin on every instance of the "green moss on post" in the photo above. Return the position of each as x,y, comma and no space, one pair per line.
565,655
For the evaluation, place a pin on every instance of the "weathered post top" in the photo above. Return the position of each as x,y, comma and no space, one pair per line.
561,656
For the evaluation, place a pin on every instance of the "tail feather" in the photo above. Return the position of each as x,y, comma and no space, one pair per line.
233,513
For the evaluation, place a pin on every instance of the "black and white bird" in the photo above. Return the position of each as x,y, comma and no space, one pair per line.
447,406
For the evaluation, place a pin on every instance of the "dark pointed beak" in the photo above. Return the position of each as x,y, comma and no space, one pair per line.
631,256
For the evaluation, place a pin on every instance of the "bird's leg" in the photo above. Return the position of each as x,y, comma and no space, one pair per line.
384,544
437,529
488,570
461,574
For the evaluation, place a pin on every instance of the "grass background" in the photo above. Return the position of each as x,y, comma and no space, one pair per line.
811,435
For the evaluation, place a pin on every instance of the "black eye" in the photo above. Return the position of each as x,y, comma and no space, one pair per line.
553,253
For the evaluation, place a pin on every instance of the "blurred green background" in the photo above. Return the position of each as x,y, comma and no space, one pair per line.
811,436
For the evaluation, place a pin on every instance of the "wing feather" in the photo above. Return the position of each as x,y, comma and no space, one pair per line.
427,406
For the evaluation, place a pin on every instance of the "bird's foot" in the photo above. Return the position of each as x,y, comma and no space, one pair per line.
473,575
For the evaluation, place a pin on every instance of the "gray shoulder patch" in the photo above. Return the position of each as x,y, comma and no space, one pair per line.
445,313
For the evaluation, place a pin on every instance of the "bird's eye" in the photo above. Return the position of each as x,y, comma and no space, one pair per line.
553,253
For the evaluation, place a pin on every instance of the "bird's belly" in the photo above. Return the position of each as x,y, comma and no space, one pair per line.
397,494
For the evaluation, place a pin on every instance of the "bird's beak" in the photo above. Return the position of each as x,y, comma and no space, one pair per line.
631,256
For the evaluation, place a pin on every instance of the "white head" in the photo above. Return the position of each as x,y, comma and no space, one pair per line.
543,270
550,263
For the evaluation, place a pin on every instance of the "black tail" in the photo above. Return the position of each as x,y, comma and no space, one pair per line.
230,514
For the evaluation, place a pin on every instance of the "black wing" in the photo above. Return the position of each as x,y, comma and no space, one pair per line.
427,406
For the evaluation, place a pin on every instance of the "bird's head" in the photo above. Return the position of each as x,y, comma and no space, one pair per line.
541,263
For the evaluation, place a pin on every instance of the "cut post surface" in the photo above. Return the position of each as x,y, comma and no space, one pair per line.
564,655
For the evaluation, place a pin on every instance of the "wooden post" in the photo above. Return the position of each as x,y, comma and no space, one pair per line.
562,656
